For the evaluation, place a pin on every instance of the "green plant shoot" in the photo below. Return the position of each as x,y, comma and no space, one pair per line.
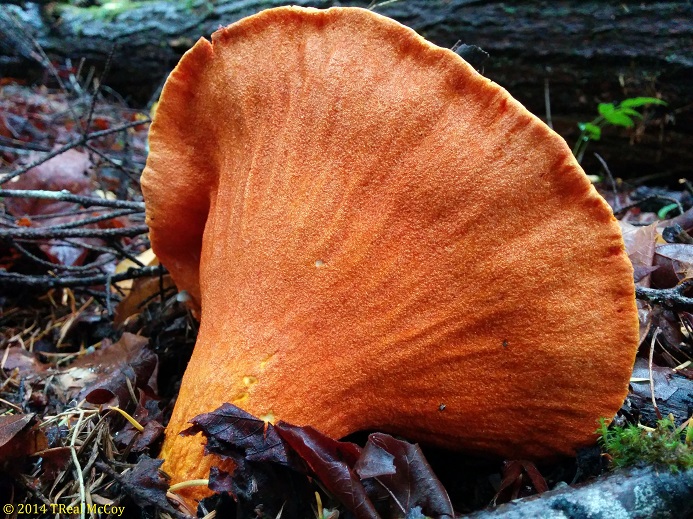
619,114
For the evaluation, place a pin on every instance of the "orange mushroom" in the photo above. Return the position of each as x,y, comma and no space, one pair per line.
378,237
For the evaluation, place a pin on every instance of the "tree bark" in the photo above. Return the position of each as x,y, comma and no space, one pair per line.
636,493
583,51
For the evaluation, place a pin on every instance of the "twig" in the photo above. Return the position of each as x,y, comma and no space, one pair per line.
672,298
70,145
547,103
606,169
115,246
375,4
10,279
652,390
130,173
91,267
93,219
49,233
78,467
686,183
85,245
27,484
66,196
43,57
97,91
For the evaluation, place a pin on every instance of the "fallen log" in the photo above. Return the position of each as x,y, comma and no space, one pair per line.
635,493
583,51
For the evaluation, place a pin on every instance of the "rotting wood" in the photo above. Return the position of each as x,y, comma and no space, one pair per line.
646,492
586,51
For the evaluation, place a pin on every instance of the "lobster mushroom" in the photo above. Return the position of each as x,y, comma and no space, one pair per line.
377,237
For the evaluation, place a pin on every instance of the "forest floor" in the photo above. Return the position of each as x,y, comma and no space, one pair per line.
94,339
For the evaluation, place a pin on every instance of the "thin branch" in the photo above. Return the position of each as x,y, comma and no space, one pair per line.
97,91
48,233
612,181
91,267
10,279
652,388
92,220
70,145
672,298
130,173
547,103
66,196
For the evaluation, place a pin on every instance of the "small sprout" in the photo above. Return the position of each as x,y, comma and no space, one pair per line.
614,114
592,131
636,102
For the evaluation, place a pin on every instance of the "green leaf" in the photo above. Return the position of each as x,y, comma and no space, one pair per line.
630,111
591,131
606,108
635,102
618,118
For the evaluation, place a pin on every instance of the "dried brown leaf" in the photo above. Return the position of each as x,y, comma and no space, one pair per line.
331,461
412,483
20,436
117,368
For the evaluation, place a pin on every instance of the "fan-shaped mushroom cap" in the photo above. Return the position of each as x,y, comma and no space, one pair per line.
371,230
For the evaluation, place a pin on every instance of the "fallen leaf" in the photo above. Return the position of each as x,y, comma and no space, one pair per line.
260,473
331,461
147,414
146,258
25,362
662,377
221,481
230,427
675,262
374,461
143,290
55,460
640,246
126,363
66,171
145,484
401,468
19,436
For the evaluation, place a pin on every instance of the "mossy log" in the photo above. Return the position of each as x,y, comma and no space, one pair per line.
646,492
584,51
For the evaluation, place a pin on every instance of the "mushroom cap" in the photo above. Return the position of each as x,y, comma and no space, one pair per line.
378,237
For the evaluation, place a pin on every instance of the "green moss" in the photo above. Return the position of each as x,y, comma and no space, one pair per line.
107,10
631,445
